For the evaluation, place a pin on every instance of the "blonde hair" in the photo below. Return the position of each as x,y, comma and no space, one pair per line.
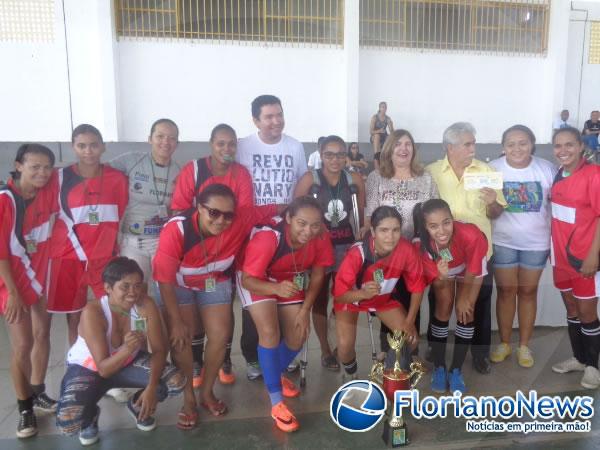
386,167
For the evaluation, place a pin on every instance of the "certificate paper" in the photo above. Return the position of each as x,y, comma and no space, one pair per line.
478,180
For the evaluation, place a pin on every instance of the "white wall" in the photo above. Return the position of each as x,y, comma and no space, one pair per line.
200,85
428,91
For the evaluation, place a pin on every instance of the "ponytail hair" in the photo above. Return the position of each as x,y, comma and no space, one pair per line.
419,212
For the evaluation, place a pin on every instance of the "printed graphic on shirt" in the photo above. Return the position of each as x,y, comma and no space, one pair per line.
273,176
396,197
335,212
523,196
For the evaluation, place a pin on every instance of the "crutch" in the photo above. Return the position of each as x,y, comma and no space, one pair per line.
303,364
354,192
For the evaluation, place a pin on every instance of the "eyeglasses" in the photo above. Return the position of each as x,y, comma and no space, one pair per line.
215,213
332,155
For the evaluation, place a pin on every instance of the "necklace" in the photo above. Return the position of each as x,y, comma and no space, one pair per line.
93,214
210,282
121,311
159,200
335,215
298,275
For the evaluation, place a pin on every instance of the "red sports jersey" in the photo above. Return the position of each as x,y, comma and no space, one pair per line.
359,266
468,250
89,213
575,212
181,257
269,256
196,175
25,240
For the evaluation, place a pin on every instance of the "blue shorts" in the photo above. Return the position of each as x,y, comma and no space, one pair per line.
505,257
185,296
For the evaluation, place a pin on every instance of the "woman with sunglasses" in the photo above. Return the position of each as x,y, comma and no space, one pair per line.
330,186
454,263
365,281
218,167
192,268
356,160
275,288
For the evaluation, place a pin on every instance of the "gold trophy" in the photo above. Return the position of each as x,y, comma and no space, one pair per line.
392,380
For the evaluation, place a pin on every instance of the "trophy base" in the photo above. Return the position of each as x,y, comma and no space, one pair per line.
395,436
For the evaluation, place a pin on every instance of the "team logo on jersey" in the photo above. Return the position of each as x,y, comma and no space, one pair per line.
135,228
139,176
137,186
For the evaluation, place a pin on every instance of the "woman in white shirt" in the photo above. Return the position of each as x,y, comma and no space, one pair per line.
521,238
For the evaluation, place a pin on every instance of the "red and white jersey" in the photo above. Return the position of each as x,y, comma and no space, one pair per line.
468,250
185,259
197,174
270,257
575,212
89,211
359,266
25,239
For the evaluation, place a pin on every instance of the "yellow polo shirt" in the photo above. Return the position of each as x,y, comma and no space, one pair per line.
466,206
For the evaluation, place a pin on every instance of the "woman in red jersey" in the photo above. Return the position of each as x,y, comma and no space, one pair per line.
26,209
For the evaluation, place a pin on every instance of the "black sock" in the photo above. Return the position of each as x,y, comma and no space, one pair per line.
575,337
228,351
25,405
38,389
463,335
351,367
438,336
198,348
591,339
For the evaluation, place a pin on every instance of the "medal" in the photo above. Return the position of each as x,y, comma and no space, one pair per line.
299,281
446,255
31,246
139,324
93,218
378,276
162,211
210,284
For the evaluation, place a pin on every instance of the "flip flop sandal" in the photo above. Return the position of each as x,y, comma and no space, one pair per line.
186,421
330,363
217,408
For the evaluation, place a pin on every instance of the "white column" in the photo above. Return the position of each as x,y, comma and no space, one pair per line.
351,61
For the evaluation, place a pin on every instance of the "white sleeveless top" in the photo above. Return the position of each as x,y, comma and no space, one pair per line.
80,354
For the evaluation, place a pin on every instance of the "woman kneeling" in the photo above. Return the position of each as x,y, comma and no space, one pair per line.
109,353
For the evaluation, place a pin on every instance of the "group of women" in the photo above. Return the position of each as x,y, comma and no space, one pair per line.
374,248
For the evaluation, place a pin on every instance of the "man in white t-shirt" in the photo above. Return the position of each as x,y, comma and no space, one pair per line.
276,162
562,121
314,159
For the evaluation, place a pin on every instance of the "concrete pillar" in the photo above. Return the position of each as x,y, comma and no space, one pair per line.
351,60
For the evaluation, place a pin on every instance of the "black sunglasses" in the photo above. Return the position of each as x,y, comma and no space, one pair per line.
216,213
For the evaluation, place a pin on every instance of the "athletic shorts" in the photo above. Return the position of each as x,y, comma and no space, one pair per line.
185,296
506,257
567,279
248,299
141,250
68,282
367,306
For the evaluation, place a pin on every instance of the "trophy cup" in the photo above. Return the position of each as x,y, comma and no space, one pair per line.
392,380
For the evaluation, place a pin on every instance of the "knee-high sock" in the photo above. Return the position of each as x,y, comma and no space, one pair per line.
590,333
269,363
438,336
576,339
198,348
286,355
463,335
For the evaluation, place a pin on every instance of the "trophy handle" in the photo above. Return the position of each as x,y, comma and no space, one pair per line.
376,374
416,371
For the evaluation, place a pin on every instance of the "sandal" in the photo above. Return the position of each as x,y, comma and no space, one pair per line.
186,421
217,408
330,363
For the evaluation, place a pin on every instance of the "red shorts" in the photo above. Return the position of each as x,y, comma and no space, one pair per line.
68,282
567,279
368,306
248,298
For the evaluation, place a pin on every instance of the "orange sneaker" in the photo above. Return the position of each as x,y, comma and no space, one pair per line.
226,377
198,378
283,418
288,388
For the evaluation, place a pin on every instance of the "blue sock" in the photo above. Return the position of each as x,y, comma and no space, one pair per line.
268,359
286,355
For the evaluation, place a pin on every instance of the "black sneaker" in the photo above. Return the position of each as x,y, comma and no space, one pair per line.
43,403
27,425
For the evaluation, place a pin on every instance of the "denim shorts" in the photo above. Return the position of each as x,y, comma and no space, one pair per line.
185,296
505,257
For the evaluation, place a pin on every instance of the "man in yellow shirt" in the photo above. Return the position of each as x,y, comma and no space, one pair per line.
473,206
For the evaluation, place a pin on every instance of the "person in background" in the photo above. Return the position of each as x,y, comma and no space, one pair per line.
276,162
356,160
591,130
521,239
562,121
314,160
380,127
575,247
27,214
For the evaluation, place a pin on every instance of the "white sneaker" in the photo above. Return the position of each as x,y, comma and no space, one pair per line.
118,394
570,365
591,378
293,366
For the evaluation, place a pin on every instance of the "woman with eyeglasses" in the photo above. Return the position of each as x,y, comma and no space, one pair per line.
192,268
281,276
333,187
